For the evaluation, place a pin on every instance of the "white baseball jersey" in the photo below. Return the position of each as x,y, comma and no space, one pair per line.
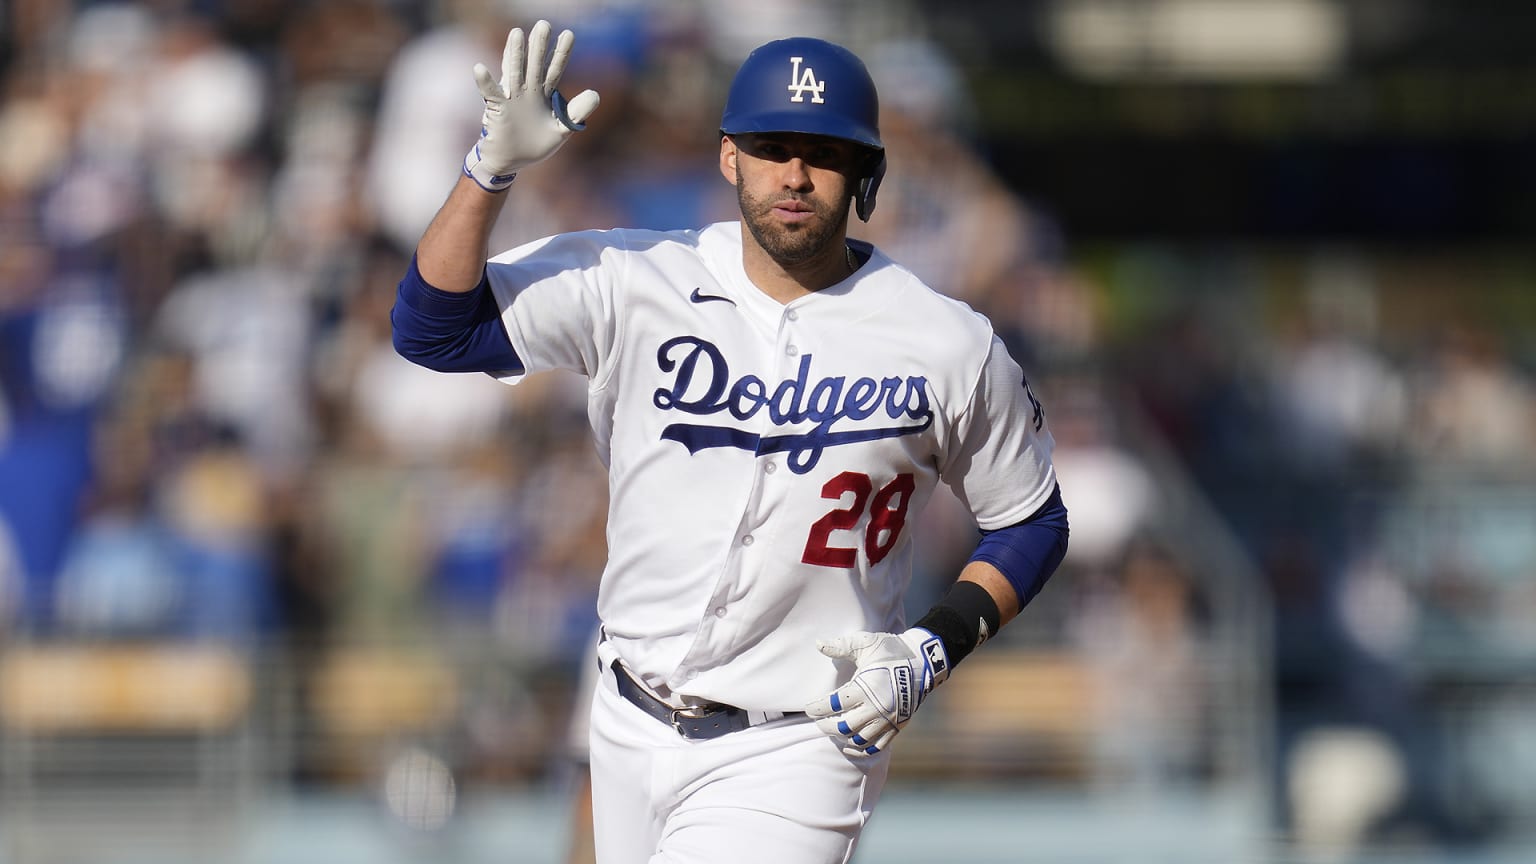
766,460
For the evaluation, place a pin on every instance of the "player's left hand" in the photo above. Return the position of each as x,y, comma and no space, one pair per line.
893,673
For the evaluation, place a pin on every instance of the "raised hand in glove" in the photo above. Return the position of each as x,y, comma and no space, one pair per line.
893,673
526,119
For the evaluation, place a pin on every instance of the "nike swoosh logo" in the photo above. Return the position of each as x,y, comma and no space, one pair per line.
699,297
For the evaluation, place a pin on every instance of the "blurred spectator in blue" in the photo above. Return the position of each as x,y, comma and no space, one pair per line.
64,319
62,340
215,506
120,577
657,163
173,541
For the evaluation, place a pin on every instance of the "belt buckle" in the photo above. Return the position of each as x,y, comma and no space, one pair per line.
690,712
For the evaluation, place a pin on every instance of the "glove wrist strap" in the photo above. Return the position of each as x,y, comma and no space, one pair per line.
476,170
963,620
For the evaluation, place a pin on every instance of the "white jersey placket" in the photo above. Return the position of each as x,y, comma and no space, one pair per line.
754,550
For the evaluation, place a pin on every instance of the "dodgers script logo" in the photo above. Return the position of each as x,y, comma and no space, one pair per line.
702,386
801,83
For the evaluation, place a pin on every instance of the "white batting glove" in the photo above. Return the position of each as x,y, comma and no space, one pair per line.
893,674
526,119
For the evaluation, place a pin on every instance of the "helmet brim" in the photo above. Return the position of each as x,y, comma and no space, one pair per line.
804,123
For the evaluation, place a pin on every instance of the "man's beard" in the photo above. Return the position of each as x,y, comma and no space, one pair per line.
794,243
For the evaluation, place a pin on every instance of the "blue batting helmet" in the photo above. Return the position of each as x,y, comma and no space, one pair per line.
813,87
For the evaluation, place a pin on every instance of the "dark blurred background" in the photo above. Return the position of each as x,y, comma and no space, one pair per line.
270,593
1376,121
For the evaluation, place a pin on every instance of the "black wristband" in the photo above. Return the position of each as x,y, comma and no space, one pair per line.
964,619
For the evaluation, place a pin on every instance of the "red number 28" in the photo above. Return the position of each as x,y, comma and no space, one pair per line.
888,514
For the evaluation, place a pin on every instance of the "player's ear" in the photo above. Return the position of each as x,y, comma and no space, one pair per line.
728,153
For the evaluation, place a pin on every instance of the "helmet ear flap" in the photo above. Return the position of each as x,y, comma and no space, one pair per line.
869,185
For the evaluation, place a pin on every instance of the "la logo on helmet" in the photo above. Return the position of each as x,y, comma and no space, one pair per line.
802,81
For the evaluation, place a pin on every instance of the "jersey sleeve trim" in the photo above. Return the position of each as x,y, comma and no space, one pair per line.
448,331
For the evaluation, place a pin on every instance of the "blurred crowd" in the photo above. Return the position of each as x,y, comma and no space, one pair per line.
206,435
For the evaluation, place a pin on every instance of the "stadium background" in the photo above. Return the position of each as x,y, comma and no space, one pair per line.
269,593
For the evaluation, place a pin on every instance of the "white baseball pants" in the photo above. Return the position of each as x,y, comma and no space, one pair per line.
772,794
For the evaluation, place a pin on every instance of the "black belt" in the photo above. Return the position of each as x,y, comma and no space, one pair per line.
698,722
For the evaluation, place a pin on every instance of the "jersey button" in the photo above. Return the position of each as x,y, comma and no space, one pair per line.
791,350
747,540
771,467
792,315
719,611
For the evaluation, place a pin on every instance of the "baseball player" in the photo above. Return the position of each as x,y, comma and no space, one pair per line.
774,403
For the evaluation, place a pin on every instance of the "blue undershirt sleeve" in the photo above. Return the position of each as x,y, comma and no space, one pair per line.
449,332
1029,552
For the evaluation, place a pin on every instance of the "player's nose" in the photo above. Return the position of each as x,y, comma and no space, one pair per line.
797,174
